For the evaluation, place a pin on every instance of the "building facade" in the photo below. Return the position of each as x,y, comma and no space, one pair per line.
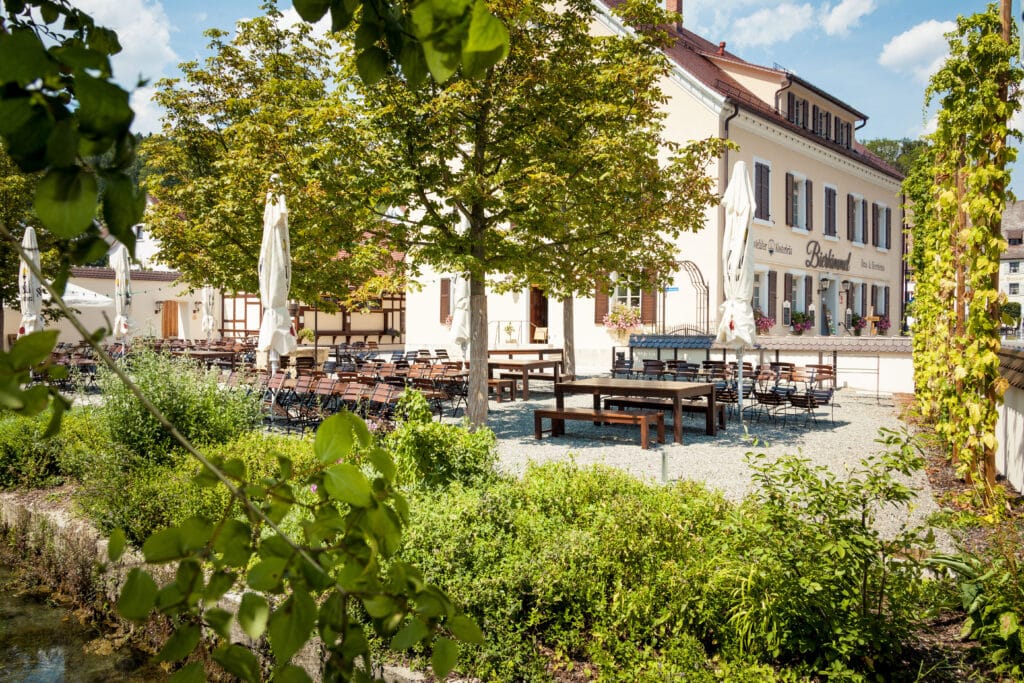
827,226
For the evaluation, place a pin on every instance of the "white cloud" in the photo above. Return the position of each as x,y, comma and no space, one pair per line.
147,112
919,51
838,20
772,25
145,35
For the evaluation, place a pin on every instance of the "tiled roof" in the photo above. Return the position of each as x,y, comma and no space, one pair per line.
670,341
844,343
696,56
141,275
1013,228
1011,366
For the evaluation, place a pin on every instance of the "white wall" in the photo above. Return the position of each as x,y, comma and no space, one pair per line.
1010,435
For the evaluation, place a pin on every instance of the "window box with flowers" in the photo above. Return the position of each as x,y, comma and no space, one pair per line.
621,321
801,323
763,323
883,324
858,323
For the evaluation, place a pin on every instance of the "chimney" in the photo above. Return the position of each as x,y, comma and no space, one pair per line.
721,48
677,7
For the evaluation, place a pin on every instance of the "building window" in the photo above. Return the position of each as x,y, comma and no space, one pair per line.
1014,266
1014,289
880,231
797,110
626,295
830,211
799,206
856,219
1016,241
762,194
760,301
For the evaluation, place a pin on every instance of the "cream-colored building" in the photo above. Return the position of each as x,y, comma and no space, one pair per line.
827,227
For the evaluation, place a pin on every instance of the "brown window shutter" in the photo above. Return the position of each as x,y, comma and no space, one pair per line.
600,305
808,293
762,194
773,311
863,299
863,220
809,186
815,127
787,289
874,224
789,199
885,300
874,299
851,216
446,299
803,104
888,228
648,306
828,125
790,107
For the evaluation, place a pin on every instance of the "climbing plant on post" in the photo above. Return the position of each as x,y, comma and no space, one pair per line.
958,196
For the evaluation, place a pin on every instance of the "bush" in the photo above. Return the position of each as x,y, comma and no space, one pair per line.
84,438
26,459
434,454
133,493
189,398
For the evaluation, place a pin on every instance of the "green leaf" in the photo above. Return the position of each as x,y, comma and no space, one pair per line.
180,644
23,58
1008,625
239,661
62,143
334,438
379,606
409,635
33,349
137,596
219,620
163,546
220,583
104,40
311,10
291,674
291,625
116,544
103,110
252,614
195,533
444,657
190,673
486,43
65,201
122,208
465,629
267,574
382,460
234,543
346,483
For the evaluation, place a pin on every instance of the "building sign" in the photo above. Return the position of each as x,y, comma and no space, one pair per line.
872,265
773,247
816,258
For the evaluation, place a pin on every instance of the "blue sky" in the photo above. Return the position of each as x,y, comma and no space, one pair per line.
875,55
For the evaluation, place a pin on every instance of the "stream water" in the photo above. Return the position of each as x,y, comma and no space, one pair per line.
42,643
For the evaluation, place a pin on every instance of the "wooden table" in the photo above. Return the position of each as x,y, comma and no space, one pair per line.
616,386
207,356
525,366
539,351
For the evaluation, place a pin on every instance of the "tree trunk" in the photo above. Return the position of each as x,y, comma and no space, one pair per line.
476,402
569,339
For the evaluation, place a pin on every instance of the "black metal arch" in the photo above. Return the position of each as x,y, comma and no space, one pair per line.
701,287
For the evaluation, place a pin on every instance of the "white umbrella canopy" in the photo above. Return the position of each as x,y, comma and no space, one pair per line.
80,297
208,322
122,290
275,271
460,313
736,328
30,289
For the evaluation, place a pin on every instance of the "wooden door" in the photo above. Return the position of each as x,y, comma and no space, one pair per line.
169,320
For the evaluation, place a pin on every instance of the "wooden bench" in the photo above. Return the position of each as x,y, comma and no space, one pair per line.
500,386
558,418
695,406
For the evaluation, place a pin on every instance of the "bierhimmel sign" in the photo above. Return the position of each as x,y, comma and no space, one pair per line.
816,258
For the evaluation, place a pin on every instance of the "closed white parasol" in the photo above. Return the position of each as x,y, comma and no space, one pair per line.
736,328
460,313
122,290
208,323
30,290
275,271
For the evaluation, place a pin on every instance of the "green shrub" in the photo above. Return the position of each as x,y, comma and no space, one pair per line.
188,397
84,438
575,565
26,459
132,493
435,454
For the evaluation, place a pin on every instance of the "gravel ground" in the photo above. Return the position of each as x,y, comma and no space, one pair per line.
717,461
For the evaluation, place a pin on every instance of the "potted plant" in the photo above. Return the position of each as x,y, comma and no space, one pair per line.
858,323
763,323
510,333
883,324
621,321
801,322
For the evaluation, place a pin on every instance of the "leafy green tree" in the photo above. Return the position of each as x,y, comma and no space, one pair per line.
545,167
902,154
260,107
